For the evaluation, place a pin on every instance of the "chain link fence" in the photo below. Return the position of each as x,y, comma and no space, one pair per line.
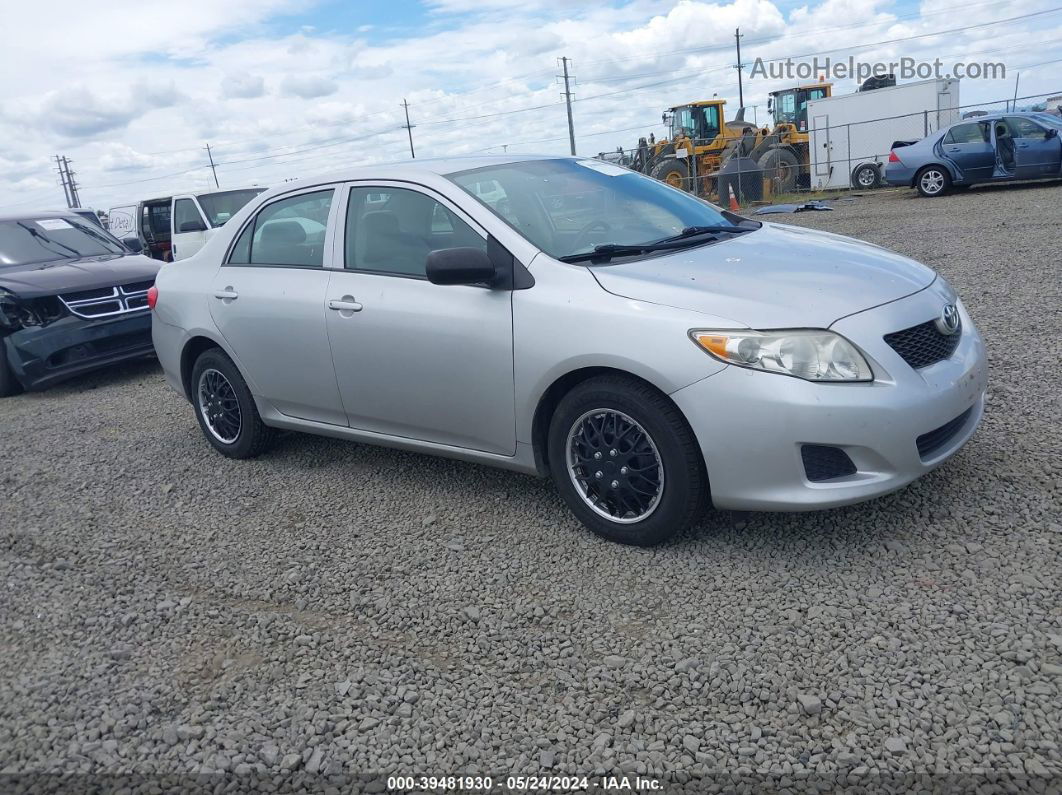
828,157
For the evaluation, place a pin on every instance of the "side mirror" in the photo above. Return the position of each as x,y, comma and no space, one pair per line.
192,226
1051,133
460,266
133,244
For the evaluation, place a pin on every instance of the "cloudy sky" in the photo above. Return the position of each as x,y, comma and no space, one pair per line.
132,91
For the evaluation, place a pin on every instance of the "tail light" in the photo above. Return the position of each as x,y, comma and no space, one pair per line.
893,158
152,296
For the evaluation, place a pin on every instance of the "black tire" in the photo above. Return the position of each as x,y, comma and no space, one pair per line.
933,181
9,385
684,491
673,171
866,177
253,437
782,166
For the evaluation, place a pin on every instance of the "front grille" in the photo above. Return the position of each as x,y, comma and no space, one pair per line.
822,462
930,443
923,345
108,301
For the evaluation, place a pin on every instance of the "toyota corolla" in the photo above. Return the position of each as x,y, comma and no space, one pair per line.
649,352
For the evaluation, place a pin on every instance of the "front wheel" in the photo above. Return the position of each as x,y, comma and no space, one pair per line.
933,181
674,172
626,462
225,408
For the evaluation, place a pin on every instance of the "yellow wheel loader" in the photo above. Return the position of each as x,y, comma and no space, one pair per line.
699,140
782,153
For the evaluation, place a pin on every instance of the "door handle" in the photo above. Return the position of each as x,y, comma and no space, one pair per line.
954,149
346,304
1023,146
228,294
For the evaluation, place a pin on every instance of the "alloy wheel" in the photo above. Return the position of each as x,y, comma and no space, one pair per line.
932,181
865,178
614,465
219,406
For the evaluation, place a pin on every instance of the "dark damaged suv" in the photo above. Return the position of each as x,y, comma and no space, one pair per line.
72,298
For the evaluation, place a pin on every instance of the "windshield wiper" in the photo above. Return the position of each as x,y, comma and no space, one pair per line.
690,236
696,231
45,239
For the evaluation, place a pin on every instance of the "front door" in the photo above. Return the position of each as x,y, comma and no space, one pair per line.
268,301
189,231
1035,154
969,146
412,358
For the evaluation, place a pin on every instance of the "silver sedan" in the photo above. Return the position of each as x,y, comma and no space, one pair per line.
649,352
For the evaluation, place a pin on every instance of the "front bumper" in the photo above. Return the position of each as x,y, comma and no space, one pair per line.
751,425
41,356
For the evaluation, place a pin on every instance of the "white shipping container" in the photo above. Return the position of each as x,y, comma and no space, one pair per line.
851,133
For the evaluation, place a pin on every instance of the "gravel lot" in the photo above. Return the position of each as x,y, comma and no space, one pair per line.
334,608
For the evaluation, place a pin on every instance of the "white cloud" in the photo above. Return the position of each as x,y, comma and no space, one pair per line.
307,86
243,86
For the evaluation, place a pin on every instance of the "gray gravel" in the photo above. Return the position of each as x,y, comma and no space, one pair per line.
334,608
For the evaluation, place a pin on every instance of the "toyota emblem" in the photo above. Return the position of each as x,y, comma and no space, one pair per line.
948,323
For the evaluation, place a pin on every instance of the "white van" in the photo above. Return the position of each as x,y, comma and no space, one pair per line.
195,217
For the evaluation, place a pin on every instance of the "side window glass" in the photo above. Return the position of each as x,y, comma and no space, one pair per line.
393,230
289,232
1024,128
965,134
185,212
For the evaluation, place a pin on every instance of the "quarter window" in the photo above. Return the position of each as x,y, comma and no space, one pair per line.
286,232
185,212
393,230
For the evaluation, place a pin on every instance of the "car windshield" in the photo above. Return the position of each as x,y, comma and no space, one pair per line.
24,241
568,207
220,207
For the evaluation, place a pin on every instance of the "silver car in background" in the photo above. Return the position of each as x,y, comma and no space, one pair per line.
564,317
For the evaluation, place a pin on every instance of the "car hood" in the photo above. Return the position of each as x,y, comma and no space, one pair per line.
776,277
67,275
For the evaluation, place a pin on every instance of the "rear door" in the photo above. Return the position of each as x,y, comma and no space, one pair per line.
268,301
969,147
1035,154
188,230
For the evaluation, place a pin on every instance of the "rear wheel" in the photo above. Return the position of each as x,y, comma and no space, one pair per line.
933,181
225,408
625,461
9,385
672,171
782,166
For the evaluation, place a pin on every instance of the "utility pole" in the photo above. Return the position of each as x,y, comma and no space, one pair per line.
1017,77
409,130
75,200
737,41
212,168
567,93
62,178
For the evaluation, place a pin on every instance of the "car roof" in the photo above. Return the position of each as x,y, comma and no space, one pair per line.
998,114
411,169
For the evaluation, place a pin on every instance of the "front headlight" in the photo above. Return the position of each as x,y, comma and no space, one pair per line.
810,354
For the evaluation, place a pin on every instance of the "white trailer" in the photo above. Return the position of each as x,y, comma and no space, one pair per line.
852,134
